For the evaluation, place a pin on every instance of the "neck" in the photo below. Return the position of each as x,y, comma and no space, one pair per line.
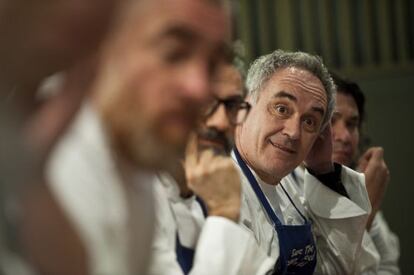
264,176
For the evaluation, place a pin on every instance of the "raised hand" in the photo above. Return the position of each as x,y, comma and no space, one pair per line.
215,180
377,175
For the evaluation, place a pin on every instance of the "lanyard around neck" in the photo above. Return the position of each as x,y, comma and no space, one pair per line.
256,188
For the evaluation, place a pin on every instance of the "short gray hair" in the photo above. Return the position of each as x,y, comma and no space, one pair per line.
266,66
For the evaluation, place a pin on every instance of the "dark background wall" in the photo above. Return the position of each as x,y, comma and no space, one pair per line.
390,110
372,42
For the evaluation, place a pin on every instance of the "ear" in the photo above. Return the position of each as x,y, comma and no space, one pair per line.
319,158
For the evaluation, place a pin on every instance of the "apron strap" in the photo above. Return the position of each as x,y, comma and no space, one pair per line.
294,205
185,256
256,188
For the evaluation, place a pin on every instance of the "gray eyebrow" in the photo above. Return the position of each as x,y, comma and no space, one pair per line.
319,110
283,94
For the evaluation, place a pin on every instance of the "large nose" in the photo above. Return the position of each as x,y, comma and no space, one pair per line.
292,128
341,132
195,83
219,119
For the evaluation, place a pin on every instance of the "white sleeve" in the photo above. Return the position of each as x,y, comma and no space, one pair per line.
163,256
222,246
339,223
225,247
163,262
387,245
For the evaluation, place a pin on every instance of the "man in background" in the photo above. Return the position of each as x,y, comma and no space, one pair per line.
346,129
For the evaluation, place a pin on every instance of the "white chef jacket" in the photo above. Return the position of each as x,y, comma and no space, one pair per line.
338,223
112,215
387,245
221,246
380,236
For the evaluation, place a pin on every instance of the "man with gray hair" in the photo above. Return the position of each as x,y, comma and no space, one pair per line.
292,97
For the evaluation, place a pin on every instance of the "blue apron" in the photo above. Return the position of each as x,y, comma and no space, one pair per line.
296,243
185,255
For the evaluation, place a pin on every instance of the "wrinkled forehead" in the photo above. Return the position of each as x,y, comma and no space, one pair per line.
298,81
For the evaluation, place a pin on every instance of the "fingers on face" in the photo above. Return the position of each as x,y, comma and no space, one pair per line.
210,164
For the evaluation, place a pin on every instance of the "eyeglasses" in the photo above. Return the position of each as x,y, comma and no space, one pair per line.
236,109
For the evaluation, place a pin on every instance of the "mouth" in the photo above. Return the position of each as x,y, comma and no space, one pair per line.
283,148
341,156
342,152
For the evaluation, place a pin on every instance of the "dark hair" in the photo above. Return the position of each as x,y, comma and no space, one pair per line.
348,87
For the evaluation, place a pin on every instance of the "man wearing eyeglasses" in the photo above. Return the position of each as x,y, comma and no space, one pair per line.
198,209
217,133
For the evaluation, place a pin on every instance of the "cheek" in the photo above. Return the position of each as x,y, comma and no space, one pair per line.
231,132
306,145
144,86
130,106
355,141
251,133
149,97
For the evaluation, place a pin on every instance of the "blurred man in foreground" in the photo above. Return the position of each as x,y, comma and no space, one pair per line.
38,39
154,76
